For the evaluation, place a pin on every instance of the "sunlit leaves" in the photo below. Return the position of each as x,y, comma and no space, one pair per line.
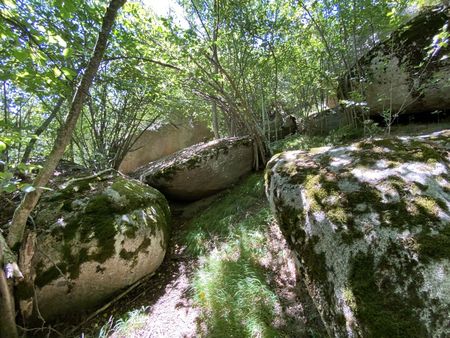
2,146
56,39
27,188
57,71
67,52
440,40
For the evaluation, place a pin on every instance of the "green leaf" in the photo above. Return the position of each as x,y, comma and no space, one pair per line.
67,9
67,52
6,176
22,74
21,54
27,188
57,72
2,146
10,187
22,167
69,73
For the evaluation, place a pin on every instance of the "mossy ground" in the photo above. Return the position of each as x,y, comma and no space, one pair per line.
230,237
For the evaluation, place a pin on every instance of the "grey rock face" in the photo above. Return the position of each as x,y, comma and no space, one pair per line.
200,170
370,224
409,72
153,145
95,236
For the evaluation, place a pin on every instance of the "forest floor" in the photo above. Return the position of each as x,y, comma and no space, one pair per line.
228,271
217,281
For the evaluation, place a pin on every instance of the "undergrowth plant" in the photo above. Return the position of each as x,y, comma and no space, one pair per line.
230,285
133,321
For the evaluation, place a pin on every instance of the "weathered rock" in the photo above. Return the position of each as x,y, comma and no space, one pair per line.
322,123
95,236
155,144
409,72
200,170
280,126
370,225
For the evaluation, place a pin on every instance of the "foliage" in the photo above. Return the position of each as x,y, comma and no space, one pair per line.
238,65
230,285
250,59
131,322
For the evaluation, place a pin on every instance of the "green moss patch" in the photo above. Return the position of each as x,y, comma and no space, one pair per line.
434,246
382,219
111,206
395,151
382,312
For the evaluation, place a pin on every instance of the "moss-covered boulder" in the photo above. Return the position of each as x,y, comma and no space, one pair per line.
200,170
409,72
96,235
370,225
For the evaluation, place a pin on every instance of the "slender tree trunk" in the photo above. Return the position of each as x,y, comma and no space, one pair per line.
16,231
41,129
215,56
65,132
8,327
6,116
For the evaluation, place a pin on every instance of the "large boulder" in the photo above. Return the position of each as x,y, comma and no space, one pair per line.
95,236
165,140
407,73
326,121
200,170
280,125
370,225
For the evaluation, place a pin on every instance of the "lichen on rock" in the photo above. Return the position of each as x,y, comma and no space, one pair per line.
408,72
370,223
200,170
96,235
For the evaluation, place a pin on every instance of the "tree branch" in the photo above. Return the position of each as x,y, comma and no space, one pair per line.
139,58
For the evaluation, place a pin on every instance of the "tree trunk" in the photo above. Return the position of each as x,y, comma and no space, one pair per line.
215,57
41,129
8,327
65,132
6,117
